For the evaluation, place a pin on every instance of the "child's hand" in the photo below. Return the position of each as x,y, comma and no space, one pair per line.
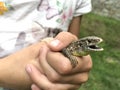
57,72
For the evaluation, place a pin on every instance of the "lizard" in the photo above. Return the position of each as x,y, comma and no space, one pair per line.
82,47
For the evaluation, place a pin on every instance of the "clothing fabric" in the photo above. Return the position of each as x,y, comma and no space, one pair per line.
24,22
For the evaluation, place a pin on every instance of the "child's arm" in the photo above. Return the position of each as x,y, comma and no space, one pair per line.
12,68
74,27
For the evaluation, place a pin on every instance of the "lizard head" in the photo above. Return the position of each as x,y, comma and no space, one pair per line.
86,45
91,43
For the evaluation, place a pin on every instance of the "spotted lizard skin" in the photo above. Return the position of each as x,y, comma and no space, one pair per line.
82,47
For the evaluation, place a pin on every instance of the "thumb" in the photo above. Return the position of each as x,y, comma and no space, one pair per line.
62,40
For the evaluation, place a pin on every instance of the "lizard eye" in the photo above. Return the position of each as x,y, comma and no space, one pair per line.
89,41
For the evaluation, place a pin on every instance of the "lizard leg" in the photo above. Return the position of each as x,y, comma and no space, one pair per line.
72,58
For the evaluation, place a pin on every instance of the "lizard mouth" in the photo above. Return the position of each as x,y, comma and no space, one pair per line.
95,46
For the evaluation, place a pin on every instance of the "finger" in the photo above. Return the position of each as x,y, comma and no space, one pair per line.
44,84
63,66
56,75
47,69
65,72
84,64
78,79
53,74
61,41
64,87
38,78
55,68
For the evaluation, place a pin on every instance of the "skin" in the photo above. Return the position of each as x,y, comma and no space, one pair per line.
58,73
74,27
13,67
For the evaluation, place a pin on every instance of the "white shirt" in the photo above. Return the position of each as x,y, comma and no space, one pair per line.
23,22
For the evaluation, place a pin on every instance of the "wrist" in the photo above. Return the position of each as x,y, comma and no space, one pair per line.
13,75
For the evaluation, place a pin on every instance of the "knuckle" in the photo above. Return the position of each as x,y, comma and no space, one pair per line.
89,66
84,78
66,67
53,87
54,77
75,37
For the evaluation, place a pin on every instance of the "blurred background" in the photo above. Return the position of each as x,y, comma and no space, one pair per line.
104,21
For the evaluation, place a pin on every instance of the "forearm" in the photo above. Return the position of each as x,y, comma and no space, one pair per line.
12,68
74,27
13,75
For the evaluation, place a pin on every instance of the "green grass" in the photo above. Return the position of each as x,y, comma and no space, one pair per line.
105,74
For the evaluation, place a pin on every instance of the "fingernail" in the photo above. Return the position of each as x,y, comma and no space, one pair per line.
28,69
55,43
